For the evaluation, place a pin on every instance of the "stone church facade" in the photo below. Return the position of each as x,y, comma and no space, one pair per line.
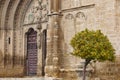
35,37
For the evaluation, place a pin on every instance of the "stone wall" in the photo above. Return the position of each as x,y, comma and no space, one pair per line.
107,70
94,15
76,16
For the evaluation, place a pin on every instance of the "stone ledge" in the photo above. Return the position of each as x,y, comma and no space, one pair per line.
72,70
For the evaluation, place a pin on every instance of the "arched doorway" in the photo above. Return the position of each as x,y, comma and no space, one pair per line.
31,58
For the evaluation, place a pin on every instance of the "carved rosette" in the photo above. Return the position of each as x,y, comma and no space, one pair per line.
37,12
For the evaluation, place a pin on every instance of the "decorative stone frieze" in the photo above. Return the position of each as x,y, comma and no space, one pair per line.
37,12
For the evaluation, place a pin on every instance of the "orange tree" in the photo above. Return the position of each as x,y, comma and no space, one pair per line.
92,45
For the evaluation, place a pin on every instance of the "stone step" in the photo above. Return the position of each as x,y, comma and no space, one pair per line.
38,78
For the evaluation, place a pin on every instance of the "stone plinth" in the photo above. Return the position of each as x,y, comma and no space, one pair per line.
75,74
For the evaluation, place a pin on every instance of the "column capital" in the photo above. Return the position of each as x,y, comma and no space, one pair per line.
55,13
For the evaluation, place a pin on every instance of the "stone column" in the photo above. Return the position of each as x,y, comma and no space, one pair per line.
56,16
52,68
55,5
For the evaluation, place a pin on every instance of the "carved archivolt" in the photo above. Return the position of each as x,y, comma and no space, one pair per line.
37,12
18,31
2,2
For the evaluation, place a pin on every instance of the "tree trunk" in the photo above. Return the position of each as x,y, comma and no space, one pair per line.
84,72
87,61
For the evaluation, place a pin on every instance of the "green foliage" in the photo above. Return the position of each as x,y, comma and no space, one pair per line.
92,45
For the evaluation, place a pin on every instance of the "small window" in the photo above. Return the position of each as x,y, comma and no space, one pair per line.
9,40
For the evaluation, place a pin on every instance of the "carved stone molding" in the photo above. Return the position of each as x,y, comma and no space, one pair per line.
69,16
17,30
68,29
7,27
73,22
80,20
80,15
2,2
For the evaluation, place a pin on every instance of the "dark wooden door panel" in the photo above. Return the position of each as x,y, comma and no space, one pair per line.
32,53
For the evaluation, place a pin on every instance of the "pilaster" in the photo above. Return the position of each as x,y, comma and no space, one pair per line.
52,68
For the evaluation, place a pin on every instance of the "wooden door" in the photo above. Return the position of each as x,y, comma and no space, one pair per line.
31,62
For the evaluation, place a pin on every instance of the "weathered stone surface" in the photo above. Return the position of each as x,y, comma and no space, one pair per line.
18,16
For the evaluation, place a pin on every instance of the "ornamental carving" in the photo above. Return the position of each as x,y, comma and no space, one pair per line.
69,16
80,15
37,12
80,18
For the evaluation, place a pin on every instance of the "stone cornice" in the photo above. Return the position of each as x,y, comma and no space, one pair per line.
78,8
